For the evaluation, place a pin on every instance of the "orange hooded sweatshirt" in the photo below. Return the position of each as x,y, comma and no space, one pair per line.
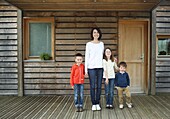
77,74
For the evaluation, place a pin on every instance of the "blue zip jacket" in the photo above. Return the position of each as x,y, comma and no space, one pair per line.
122,80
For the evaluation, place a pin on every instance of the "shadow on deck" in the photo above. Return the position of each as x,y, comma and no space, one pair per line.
62,107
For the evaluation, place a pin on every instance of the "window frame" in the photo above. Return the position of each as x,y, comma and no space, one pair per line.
26,32
157,38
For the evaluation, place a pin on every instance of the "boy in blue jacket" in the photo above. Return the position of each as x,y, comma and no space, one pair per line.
122,83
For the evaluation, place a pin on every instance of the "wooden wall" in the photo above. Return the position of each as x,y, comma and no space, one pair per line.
163,64
72,32
8,50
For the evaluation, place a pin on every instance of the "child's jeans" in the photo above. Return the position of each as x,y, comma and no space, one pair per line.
78,95
109,91
120,94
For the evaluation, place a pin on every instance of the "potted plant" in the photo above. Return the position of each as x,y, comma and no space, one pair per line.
45,56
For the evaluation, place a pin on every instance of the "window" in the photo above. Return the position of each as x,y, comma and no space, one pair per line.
163,46
38,37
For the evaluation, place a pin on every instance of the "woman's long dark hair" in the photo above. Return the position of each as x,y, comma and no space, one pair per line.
99,31
105,57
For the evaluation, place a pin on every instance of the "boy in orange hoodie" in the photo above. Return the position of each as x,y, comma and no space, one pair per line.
77,81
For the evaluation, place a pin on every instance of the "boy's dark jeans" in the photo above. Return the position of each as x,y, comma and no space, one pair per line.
78,95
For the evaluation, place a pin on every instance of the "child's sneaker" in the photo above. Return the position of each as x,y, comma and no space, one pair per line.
81,109
121,106
111,106
78,109
107,106
98,107
129,105
93,107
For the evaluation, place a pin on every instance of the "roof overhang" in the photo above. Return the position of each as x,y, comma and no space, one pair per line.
85,5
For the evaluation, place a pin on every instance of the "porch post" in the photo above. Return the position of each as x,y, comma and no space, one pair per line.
153,52
20,56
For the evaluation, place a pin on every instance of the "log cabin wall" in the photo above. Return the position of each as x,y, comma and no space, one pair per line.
8,50
163,64
72,32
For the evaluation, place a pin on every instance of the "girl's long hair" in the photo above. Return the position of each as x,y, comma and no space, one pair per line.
105,57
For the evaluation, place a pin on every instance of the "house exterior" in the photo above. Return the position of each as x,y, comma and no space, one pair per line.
134,29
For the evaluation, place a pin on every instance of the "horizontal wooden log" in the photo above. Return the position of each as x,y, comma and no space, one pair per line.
164,80
160,30
51,70
13,87
7,70
83,42
162,63
8,8
8,36
86,25
8,75
162,90
41,64
68,53
8,92
8,53
9,81
68,14
83,30
8,14
163,19
8,20
8,25
86,19
64,59
162,14
166,69
163,8
8,59
163,85
162,25
8,49
46,75
134,14
49,81
53,86
8,64
162,74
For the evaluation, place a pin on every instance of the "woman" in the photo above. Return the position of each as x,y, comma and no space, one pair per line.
93,66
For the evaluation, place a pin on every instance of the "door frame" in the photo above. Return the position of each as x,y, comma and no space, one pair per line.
147,53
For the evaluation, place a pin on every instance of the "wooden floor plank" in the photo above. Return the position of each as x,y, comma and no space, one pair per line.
54,106
147,107
36,107
158,108
12,106
29,108
62,107
119,113
140,108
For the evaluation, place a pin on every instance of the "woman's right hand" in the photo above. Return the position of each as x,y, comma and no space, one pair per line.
86,75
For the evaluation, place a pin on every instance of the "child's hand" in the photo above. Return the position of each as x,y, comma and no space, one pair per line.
107,81
72,87
86,75
115,59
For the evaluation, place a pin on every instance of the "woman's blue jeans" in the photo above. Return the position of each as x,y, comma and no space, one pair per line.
95,77
78,95
109,91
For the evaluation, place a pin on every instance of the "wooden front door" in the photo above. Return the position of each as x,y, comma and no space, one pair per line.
133,37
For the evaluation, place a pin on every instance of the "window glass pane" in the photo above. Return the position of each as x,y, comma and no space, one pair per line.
40,38
164,46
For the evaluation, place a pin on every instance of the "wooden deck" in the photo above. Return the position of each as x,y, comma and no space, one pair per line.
62,107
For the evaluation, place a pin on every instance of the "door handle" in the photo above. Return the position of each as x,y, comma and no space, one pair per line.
142,57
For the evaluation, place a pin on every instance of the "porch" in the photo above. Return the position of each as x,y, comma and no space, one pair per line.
62,107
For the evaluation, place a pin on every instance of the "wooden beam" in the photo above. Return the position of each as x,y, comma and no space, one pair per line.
20,56
153,53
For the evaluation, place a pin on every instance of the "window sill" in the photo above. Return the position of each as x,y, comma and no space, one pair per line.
38,60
